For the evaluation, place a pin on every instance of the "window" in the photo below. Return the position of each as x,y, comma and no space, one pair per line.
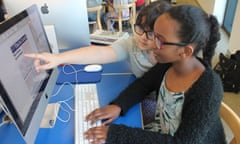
229,15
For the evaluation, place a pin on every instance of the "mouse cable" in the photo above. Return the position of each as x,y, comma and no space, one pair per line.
74,69
66,100
61,87
65,110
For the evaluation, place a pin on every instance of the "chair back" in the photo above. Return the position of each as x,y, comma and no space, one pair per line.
132,15
232,120
96,9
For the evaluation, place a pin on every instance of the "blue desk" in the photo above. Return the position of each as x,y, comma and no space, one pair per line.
121,68
108,89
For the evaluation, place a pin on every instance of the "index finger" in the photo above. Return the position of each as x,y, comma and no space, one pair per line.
31,55
36,56
91,115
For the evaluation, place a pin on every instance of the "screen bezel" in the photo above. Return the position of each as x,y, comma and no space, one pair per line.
9,108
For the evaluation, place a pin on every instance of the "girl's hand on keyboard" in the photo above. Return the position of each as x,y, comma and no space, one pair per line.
97,135
108,114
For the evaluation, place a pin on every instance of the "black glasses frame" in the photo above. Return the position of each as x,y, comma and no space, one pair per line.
159,43
149,34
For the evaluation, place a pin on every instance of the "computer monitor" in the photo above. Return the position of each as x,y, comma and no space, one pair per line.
69,18
24,93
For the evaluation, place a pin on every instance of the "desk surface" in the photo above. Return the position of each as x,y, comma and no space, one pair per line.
117,68
108,89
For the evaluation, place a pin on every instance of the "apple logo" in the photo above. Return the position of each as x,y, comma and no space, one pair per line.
44,9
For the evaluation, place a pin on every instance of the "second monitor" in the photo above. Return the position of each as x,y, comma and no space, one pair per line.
69,18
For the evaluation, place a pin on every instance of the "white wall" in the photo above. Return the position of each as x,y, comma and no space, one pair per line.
207,5
216,7
218,10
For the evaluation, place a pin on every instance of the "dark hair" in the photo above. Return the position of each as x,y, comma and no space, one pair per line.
2,11
197,27
150,13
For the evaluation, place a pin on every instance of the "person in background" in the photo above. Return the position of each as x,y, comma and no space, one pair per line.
113,11
139,5
92,16
189,92
109,3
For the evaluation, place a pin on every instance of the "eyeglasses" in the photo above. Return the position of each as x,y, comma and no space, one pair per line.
159,42
140,31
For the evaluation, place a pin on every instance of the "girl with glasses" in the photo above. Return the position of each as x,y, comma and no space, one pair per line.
189,92
137,49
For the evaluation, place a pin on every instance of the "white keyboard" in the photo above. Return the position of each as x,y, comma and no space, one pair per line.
86,100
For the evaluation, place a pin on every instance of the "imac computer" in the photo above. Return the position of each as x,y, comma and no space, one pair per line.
24,93
69,19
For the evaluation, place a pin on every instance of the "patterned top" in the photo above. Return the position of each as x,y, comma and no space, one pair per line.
168,111
200,119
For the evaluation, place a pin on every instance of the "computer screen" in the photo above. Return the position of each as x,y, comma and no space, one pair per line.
69,18
24,93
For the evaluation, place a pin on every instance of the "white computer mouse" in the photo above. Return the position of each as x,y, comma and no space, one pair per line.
93,68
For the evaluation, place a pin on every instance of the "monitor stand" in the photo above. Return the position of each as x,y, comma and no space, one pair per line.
50,115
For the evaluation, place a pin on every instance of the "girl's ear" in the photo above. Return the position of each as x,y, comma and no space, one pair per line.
187,51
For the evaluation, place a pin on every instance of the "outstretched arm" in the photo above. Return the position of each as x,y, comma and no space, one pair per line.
86,55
